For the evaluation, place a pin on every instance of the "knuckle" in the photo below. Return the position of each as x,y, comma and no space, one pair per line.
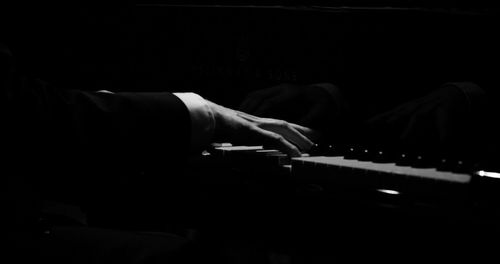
283,124
278,138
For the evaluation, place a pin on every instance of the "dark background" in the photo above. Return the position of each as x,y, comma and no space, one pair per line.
223,52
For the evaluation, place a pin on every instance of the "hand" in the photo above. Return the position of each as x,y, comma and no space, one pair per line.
242,128
435,120
316,106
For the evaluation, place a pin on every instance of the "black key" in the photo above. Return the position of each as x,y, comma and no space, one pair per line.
382,156
351,152
421,161
403,159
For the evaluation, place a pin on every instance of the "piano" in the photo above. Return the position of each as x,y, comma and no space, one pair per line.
224,52
323,170
326,193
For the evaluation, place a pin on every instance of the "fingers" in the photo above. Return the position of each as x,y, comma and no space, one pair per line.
381,118
247,116
408,133
316,113
403,111
278,141
449,126
308,132
422,131
290,133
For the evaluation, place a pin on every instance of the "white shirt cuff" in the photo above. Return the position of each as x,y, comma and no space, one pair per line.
202,119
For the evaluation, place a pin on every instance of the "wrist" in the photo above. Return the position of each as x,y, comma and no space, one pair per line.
202,119
218,112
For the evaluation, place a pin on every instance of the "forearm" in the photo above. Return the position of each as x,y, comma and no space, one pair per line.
145,127
473,93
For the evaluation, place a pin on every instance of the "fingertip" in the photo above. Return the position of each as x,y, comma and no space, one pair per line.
295,152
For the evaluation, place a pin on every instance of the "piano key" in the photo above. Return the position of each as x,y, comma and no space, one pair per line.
392,168
271,157
381,156
234,153
239,148
381,181
255,160
258,152
349,173
327,150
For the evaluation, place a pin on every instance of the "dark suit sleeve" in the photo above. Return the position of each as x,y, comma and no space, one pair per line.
141,124
75,142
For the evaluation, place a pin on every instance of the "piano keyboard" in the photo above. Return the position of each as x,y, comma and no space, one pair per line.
343,173
382,168
244,156
251,153
381,202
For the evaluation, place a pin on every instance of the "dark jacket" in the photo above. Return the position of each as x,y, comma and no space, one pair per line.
82,147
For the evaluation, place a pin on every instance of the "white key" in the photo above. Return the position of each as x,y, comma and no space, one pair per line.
429,173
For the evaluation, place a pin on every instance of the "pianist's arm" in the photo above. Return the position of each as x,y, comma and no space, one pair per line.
140,129
446,119
320,106
122,126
